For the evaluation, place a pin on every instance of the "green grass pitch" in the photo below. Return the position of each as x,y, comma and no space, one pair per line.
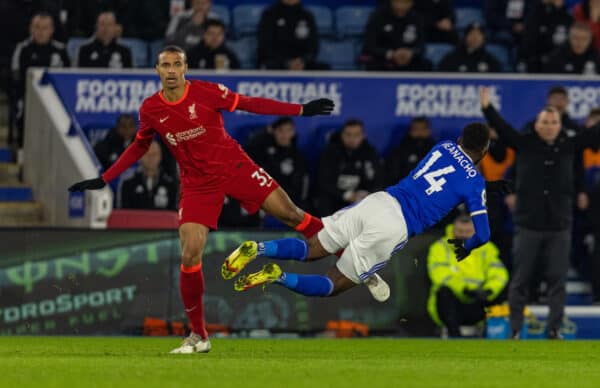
144,362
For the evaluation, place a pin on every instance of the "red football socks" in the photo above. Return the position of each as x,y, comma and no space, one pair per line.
309,226
191,285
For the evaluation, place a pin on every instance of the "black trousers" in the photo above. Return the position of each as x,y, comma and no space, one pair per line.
453,312
539,252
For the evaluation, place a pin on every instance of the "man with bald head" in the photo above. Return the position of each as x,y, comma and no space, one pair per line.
545,193
103,49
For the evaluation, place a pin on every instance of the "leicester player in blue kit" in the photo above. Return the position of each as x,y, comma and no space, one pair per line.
370,231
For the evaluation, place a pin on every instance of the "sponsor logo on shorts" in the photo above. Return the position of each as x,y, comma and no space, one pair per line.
180,213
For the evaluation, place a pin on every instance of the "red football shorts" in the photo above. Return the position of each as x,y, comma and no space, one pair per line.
248,183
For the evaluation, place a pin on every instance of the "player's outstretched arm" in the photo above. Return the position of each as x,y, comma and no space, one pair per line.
505,131
266,106
88,184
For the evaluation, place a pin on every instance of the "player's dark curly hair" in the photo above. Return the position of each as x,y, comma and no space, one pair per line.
171,49
475,136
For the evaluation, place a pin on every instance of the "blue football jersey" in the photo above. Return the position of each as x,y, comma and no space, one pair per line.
444,178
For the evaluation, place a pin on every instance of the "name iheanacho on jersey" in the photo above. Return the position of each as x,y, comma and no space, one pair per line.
462,159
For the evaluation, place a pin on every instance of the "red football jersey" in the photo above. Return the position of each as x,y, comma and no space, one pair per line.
192,128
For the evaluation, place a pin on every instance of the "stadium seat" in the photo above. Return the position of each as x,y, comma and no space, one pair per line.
351,21
246,18
139,51
154,47
245,49
339,54
323,18
73,46
502,54
436,51
468,15
223,13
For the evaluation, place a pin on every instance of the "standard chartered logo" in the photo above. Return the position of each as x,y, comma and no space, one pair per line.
441,100
294,92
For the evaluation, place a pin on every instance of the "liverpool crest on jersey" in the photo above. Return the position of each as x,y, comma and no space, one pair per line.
192,110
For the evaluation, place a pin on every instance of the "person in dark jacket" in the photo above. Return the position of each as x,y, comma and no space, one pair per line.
413,147
507,17
349,169
395,38
187,28
146,19
283,160
211,52
114,143
104,50
577,56
546,28
39,50
545,190
471,56
591,162
150,188
288,38
439,20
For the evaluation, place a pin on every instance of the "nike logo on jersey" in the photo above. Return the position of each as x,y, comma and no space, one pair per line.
190,310
162,120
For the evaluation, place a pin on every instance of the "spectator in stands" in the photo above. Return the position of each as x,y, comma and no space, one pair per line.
146,20
591,163
283,160
186,29
14,19
439,20
496,165
471,56
413,147
546,28
394,38
460,291
104,50
38,50
117,139
82,15
505,18
349,169
545,189
588,11
577,56
150,188
211,52
288,38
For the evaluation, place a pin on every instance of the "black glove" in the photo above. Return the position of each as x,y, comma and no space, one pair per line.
459,248
322,106
89,184
501,187
478,294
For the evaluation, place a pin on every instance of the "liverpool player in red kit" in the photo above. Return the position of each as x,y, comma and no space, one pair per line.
187,116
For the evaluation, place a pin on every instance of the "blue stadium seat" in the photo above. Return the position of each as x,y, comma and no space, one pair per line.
468,15
245,49
503,56
154,47
73,46
246,18
436,51
323,18
339,54
351,21
139,51
223,13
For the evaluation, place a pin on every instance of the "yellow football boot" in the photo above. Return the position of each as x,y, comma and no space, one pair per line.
238,259
269,274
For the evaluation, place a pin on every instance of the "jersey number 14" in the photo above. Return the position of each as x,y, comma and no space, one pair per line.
435,178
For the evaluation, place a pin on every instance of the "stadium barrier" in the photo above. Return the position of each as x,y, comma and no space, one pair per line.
82,104
57,154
